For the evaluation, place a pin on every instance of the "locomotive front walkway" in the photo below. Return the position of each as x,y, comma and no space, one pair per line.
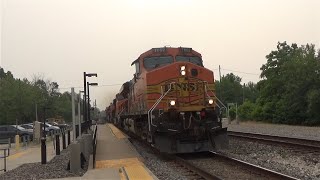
116,158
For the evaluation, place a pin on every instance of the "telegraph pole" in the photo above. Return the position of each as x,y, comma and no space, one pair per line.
36,112
84,99
220,83
244,85
220,73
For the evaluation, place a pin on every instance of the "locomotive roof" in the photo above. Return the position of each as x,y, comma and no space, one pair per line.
161,51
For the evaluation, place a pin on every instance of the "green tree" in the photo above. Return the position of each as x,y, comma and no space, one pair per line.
230,90
290,85
19,97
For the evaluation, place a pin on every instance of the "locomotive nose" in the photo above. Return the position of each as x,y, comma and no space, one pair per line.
194,72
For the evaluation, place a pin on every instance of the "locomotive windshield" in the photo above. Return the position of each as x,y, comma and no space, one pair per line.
193,59
154,62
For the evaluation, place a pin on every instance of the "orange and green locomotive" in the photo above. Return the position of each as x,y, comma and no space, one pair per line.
171,102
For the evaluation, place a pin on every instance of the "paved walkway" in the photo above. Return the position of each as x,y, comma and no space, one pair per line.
116,158
29,154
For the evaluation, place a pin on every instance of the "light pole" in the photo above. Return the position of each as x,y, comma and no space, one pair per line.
85,75
88,85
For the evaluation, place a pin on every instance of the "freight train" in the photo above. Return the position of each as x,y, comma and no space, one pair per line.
171,102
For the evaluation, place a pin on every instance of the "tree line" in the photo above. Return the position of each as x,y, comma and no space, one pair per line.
20,97
288,93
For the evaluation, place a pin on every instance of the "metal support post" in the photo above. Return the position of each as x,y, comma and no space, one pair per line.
43,151
63,140
57,145
69,138
5,160
88,103
43,141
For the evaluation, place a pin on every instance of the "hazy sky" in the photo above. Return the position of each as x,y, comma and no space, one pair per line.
61,39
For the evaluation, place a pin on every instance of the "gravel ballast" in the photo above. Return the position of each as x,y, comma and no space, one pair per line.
56,168
161,168
302,165
304,132
290,161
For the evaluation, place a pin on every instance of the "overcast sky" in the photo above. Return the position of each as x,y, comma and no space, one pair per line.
61,39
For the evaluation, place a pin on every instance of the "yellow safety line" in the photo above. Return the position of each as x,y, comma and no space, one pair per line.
116,131
117,163
137,173
133,168
17,155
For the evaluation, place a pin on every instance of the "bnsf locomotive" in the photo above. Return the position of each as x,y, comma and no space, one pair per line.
170,102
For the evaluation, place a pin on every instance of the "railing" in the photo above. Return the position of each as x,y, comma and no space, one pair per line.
94,146
4,156
6,141
155,105
207,89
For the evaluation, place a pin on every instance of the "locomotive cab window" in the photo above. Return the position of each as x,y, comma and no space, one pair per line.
155,62
137,65
193,59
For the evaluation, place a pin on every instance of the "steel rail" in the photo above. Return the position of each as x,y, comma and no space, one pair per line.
178,160
195,169
295,142
254,167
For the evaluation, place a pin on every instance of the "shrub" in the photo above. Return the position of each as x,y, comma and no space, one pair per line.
245,111
232,113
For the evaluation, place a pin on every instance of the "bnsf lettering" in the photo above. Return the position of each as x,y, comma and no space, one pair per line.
182,87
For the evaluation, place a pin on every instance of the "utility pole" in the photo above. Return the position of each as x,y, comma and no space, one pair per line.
220,89
220,73
84,99
73,114
36,112
20,102
79,113
244,85
95,107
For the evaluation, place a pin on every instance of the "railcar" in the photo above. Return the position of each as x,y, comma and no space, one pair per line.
171,102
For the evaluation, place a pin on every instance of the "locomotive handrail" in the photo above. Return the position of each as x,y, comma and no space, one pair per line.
155,105
206,88
120,113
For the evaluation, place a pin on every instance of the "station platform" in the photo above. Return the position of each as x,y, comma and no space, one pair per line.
29,154
116,158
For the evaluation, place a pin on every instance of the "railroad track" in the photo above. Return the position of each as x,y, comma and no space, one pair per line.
252,167
231,168
195,172
311,145
184,167
191,171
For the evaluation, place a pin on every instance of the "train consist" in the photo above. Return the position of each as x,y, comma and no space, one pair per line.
170,102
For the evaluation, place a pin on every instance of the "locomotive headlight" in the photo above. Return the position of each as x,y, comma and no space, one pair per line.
182,68
172,102
210,101
183,72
